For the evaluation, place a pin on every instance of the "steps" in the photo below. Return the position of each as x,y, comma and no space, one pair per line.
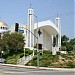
24,60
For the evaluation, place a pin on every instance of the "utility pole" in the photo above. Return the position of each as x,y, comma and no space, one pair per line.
37,45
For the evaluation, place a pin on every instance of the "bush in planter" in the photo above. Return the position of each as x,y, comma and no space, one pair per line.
58,53
63,48
28,51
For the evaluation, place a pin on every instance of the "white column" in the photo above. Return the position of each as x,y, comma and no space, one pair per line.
53,48
59,40
59,27
52,41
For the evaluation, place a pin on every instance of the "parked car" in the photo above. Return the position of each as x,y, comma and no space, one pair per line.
2,60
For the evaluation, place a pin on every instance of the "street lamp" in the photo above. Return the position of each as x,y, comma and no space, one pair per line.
2,55
37,43
24,52
74,49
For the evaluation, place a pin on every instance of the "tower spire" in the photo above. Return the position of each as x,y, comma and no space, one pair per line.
57,14
30,36
30,5
57,22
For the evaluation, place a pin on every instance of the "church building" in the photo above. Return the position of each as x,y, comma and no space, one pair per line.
43,33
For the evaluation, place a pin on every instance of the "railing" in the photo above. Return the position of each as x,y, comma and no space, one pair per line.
25,60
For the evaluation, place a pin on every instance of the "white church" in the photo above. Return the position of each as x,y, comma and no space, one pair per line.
40,33
45,31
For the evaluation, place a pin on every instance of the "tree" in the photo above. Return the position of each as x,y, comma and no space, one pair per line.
69,44
72,41
64,38
14,42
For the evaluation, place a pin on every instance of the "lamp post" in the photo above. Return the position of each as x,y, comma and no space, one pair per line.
74,49
2,55
24,55
37,43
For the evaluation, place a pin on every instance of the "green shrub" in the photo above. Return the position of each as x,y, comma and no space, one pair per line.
47,52
11,60
35,57
21,55
63,48
70,53
58,53
71,64
35,52
28,51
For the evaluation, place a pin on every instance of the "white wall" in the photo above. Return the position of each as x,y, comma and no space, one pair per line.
47,41
44,39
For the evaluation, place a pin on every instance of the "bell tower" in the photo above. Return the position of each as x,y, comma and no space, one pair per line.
30,27
58,37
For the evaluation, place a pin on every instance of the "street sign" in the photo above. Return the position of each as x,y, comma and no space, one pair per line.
21,31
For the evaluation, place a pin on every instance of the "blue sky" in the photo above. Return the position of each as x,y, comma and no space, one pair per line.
12,11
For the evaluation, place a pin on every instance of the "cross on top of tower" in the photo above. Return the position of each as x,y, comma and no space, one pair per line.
57,14
30,5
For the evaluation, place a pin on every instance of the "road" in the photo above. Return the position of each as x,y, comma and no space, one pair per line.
12,70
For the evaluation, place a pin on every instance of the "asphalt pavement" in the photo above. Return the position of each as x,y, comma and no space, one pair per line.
6,69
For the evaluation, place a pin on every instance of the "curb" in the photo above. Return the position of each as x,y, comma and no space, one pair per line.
41,68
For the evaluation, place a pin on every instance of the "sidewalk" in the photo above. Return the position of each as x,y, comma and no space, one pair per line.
41,68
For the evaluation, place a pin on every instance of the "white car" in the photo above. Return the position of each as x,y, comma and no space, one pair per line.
2,60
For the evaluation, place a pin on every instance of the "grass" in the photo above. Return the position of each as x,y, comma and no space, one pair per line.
45,60
54,61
